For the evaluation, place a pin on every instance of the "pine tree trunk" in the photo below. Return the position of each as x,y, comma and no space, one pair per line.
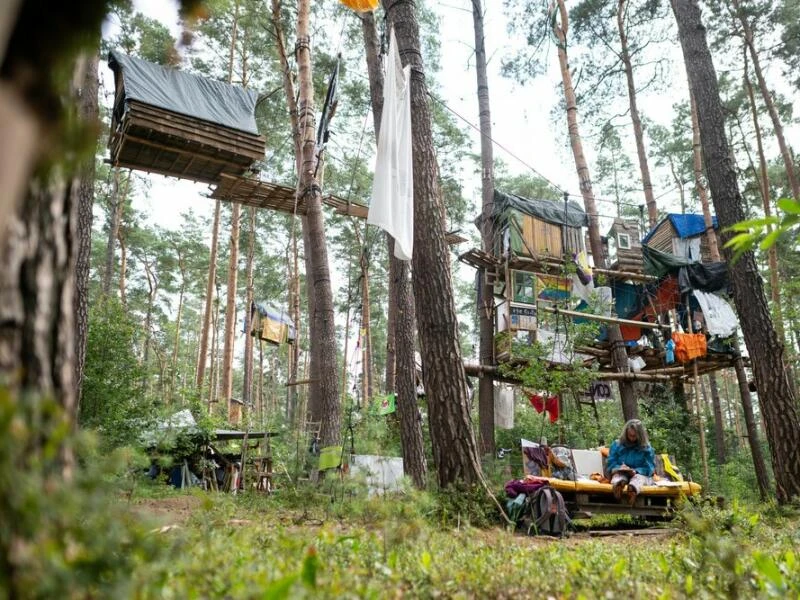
400,363
116,211
486,308
229,337
760,467
772,253
719,424
778,404
366,329
452,438
88,110
247,383
638,133
37,292
178,318
209,303
627,391
123,267
788,161
372,48
323,332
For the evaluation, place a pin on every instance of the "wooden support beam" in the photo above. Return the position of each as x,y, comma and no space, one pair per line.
574,313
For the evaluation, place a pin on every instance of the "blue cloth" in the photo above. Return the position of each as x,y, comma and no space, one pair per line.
669,354
642,460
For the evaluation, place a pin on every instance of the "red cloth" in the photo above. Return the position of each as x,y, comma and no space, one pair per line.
550,404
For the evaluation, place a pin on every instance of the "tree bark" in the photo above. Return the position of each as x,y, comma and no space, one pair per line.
638,133
486,308
37,292
778,404
749,39
88,111
209,304
452,438
178,319
400,364
229,336
764,488
772,253
627,391
323,332
247,383
719,424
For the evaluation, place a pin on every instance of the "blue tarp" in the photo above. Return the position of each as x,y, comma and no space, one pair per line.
686,226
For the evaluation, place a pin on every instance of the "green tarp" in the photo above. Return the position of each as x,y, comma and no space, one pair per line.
660,263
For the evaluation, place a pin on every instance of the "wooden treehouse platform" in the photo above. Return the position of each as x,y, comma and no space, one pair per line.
148,138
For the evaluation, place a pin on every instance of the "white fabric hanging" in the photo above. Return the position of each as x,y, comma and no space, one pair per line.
392,205
719,316
503,407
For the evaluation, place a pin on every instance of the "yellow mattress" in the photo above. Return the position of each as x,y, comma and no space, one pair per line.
590,486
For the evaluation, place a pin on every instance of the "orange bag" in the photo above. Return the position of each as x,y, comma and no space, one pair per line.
689,346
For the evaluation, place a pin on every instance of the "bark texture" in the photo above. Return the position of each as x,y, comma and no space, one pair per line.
323,327
620,356
778,404
452,438
37,288
486,308
638,132
400,363
88,111
205,329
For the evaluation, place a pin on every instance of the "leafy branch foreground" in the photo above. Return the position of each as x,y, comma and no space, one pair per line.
84,538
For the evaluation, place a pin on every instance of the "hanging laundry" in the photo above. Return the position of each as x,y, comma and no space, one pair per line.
669,352
689,346
549,404
503,407
719,316
392,205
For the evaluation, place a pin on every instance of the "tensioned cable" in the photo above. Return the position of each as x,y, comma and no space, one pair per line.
496,143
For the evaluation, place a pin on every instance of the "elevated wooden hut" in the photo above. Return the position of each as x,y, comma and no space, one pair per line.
683,236
175,123
625,246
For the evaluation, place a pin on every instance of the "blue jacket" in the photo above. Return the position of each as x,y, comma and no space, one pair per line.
642,460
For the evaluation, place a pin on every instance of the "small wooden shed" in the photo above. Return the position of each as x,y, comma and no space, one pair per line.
625,247
537,228
182,125
682,235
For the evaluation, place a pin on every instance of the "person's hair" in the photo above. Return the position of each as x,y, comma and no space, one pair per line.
641,433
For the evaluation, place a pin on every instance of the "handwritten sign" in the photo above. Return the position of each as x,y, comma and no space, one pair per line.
523,316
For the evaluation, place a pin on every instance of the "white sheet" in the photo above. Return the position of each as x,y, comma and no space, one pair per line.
392,205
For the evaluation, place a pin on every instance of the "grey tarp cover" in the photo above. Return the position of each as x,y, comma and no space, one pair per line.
187,94
692,275
546,210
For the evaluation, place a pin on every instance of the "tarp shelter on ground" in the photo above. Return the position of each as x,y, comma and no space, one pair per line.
176,123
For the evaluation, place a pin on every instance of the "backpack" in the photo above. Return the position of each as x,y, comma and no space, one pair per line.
549,513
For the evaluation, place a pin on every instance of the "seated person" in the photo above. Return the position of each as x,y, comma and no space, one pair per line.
631,461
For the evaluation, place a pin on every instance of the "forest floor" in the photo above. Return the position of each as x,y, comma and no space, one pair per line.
306,545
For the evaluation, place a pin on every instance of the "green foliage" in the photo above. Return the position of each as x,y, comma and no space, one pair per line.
764,232
64,538
112,399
